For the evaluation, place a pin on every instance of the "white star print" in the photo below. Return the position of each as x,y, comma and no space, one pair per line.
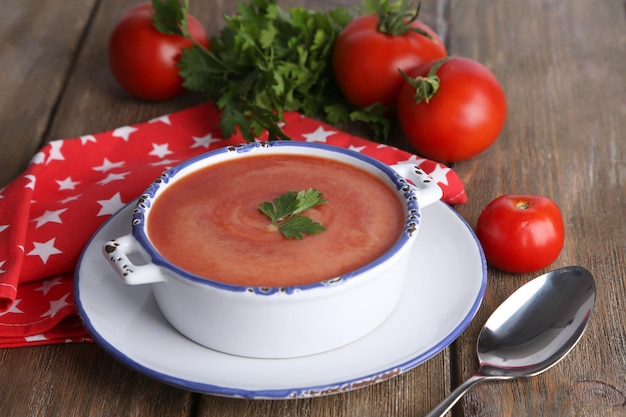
87,138
2,271
320,135
110,206
32,182
3,227
35,338
163,119
56,306
49,217
13,309
67,184
44,250
357,148
38,158
204,141
440,174
113,177
108,165
47,284
160,150
415,160
55,152
124,132
70,199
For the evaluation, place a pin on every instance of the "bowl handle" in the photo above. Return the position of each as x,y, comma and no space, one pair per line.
426,190
117,252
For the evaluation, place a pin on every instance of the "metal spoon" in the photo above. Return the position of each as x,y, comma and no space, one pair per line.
532,330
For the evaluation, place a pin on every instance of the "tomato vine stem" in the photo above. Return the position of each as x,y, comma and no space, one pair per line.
397,21
425,87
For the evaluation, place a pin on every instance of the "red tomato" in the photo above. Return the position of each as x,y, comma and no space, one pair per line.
143,60
462,118
366,61
521,233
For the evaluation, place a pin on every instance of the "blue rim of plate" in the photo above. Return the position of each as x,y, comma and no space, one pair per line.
282,393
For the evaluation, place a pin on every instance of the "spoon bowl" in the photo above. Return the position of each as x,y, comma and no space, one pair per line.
531,330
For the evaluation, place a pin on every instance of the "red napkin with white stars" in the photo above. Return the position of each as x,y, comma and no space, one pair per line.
48,213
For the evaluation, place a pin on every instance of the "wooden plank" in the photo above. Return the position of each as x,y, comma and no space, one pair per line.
33,71
562,67
81,380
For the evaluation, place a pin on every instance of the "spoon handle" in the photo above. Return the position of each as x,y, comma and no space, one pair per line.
444,406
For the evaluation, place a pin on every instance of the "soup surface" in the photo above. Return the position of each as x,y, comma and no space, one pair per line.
209,223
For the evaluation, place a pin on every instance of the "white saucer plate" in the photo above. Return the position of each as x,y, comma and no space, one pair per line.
444,291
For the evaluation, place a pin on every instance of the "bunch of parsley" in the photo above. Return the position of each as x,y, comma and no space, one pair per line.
267,61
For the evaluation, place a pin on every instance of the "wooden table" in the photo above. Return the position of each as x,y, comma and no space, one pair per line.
563,68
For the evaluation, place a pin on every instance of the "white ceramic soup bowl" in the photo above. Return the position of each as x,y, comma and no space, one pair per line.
275,322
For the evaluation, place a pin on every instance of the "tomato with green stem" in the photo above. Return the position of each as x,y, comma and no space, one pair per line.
369,50
144,60
521,233
451,109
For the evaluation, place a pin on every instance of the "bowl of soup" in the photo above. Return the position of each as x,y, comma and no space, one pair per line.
233,278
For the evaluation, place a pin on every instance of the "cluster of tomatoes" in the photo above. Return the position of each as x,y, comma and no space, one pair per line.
449,108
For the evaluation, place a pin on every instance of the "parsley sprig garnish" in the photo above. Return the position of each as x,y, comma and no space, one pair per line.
285,213
267,61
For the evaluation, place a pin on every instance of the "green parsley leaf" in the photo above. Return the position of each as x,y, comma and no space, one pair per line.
299,225
308,199
285,213
267,61
170,16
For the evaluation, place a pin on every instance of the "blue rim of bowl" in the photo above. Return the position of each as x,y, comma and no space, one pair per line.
293,392
144,203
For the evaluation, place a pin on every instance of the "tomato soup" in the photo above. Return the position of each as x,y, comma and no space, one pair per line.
209,222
